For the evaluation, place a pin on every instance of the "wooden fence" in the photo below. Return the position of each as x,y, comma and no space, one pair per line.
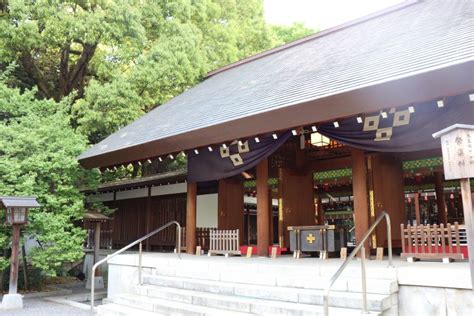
224,242
105,239
202,237
431,242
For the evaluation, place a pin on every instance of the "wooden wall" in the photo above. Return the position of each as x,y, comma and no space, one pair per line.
131,216
230,205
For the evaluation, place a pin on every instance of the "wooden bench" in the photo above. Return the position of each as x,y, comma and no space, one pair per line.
431,242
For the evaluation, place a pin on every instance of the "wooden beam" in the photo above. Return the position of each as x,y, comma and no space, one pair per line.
360,193
439,188
263,224
191,202
330,164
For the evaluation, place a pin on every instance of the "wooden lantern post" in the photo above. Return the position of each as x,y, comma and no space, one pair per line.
16,216
96,219
457,144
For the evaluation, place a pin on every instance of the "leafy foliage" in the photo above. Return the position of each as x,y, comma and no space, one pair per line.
37,157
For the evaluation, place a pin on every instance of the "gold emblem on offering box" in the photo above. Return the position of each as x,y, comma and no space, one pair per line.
310,238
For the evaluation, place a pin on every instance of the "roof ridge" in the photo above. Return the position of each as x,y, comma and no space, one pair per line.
314,36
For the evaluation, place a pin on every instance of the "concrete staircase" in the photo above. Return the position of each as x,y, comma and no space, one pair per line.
236,290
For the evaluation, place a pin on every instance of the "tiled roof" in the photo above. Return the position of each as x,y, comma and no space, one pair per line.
399,44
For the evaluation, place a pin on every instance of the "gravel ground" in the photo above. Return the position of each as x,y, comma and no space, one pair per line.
41,307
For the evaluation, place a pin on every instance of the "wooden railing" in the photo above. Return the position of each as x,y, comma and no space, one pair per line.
224,242
431,242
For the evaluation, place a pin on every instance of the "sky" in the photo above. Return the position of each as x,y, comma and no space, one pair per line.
321,14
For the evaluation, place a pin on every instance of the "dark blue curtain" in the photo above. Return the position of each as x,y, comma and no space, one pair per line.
223,162
404,129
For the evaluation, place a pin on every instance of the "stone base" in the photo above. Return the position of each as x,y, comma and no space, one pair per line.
12,301
98,283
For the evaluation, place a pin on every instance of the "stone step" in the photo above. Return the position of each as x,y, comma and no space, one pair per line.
258,307
304,277
265,268
112,309
253,299
386,287
168,307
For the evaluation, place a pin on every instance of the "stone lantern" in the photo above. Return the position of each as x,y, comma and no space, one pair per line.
16,215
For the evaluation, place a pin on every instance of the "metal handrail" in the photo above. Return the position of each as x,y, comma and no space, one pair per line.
138,241
346,262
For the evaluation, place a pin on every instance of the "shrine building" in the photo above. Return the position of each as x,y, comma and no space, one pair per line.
333,128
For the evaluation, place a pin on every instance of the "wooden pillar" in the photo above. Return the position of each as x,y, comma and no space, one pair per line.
296,201
281,226
246,227
230,206
417,208
360,193
439,188
320,211
191,201
13,286
270,215
148,218
388,196
263,224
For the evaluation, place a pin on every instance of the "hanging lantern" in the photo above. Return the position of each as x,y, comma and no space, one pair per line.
16,209
319,140
16,215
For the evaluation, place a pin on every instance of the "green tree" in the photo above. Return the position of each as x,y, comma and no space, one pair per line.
284,34
37,157
54,42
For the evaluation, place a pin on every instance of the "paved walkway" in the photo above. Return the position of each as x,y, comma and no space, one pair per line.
42,307
74,303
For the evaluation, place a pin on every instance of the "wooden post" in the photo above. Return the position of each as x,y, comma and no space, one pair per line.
468,222
97,246
442,214
191,201
263,225
13,287
359,189
417,208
